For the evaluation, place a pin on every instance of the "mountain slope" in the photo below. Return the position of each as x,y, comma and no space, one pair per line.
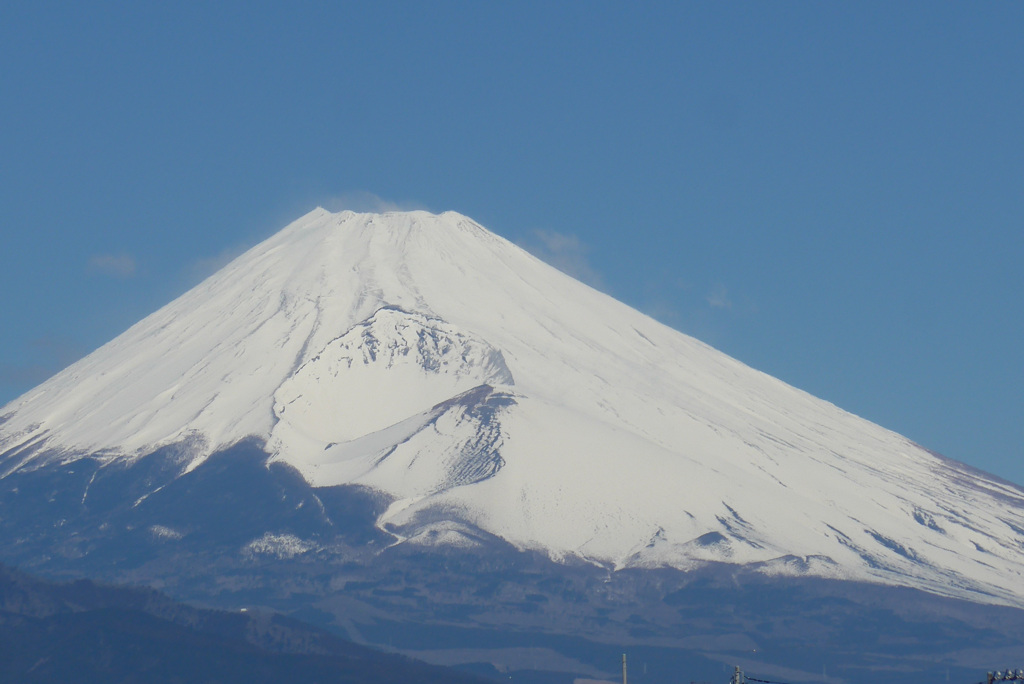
477,389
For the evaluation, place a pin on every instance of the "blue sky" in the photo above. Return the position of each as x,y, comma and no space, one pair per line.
832,193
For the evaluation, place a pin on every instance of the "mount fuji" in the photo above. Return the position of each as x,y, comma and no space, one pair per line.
364,387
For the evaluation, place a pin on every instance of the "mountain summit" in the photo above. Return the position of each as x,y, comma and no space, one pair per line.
480,392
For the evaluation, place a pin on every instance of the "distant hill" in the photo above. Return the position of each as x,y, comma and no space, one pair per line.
82,632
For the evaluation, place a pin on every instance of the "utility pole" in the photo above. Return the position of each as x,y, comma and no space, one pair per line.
737,676
624,668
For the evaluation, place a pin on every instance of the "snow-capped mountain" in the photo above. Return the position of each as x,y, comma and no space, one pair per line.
478,389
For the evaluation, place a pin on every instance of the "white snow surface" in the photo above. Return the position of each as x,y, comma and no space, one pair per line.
430,359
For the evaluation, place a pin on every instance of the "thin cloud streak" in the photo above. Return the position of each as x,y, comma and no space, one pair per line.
49,355
204,267
565,252
363,201
718,298
115,265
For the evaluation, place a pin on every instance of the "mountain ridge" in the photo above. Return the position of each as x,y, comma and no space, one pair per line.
344,342
87,632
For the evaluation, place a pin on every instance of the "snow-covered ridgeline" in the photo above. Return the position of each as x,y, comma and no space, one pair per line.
425,357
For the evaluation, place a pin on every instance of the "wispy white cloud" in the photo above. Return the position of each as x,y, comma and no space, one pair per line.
46,356
565,252
116,265
204,267
363,201
718,298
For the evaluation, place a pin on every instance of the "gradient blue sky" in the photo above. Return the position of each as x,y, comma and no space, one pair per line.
832,193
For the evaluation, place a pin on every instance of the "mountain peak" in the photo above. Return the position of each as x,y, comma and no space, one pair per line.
473,386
